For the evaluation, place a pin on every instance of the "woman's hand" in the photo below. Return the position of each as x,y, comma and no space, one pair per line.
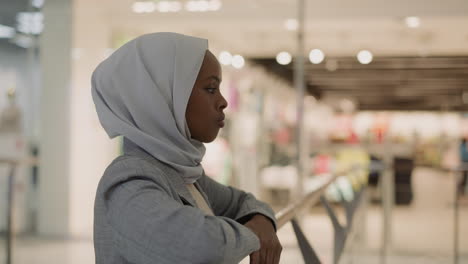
270,247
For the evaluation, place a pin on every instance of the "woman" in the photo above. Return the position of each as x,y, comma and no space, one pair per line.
154,204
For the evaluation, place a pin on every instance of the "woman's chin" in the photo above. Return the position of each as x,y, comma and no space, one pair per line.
211,138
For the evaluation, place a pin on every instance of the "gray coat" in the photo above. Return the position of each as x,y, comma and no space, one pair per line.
144,214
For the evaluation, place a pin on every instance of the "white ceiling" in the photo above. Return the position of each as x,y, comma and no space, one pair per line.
339,27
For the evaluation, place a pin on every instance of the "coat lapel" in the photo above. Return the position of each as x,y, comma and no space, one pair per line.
181,189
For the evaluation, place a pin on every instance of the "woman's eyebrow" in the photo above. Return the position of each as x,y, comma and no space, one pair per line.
214,77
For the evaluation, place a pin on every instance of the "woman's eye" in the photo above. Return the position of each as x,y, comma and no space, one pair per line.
211,90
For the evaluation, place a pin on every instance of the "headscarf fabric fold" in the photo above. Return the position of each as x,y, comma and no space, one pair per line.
141,93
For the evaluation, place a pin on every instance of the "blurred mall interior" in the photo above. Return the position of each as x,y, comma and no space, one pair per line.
371,94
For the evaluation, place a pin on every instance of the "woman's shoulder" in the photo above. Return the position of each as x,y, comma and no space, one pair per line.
127,167
131,162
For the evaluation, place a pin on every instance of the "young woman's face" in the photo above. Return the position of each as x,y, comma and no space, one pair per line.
205,107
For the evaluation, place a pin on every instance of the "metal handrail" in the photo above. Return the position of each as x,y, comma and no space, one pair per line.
26,161
461,168
289,212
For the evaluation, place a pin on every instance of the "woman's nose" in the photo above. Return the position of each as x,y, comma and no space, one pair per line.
223,103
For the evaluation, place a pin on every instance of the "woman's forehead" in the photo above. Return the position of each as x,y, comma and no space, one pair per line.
211,69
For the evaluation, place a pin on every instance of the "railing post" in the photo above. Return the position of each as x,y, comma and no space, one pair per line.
349,209
455,216
299,83
339,230
388,200
361,222
9,231
308,253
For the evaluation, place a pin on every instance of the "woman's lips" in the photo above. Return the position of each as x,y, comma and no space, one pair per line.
221,120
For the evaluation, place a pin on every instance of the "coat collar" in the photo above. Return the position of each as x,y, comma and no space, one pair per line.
176,180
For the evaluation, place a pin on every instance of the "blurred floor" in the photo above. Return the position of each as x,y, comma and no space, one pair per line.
423,233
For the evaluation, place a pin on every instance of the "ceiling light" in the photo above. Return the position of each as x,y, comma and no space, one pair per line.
37,3
238,61
202,5
284,58
191,6
169,6
413,22
6,32
164,6
291,24
197,6
316,56
176,6
225,58
144,7
150,7
138,7
365,57
30,22
214,5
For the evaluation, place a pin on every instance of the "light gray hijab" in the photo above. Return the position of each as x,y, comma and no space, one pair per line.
141,92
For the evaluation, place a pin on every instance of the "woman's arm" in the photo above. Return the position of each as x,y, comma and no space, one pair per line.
245,209
233,203
153,228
